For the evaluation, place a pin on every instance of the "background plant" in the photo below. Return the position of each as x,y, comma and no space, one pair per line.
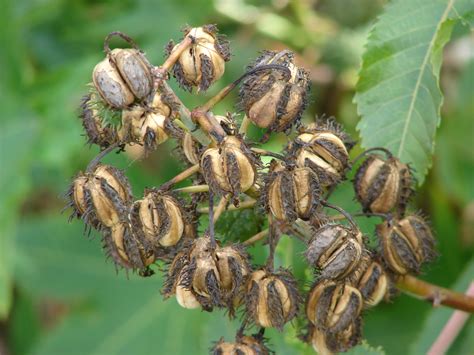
49,54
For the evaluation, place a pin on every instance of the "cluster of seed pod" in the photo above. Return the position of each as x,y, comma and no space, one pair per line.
204,272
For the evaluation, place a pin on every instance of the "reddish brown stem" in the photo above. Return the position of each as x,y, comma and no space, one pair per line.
435,294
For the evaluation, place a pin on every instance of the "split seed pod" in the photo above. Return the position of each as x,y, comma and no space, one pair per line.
371,280
292,193
229,168
159,217
203,62
146,126
101,197
381,185
122,77
335,250
323,150
244,345
327,343
190,148
273,99
272,298
333,307
406,244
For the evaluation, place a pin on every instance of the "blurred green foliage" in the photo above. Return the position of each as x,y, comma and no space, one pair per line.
58,295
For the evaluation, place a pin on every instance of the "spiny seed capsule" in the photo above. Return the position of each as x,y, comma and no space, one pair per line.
332,306
273,99
203,62
406,244
244,345
229,168
207,277
190,148
123,76
100,197
335,250
272,298
381,185
323,150
292,193
98,131
159,218
125,249
146,126
327,343
371,280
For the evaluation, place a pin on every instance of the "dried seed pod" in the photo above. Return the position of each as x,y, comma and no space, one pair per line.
327,343
381,185
203,62
406,244
371,280
77,195
190,148
229,168
108,196
98,131
332,306
292,193
273,99
335,250
322,149
244,345
160,219
233,266
272,298
111,86
147,126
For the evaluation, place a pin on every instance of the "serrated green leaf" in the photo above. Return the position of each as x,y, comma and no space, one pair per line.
438,317
239,225
398,94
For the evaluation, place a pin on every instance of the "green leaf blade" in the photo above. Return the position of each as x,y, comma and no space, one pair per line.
398,95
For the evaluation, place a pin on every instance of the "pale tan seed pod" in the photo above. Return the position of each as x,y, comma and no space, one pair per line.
185,296
371,280
229,168
335,250
406,244
332,306
243,345
292,193
190,148
110,85
77,195
382,185
275,99
324,152
160,219
272,298
204,62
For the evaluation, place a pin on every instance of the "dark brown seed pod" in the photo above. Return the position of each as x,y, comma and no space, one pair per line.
97,130
371,280
272,298
292,193
244,345
204,62
381,185
272,99
229,168
333,307
323,149
327,343
406,244
159,217
335,250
